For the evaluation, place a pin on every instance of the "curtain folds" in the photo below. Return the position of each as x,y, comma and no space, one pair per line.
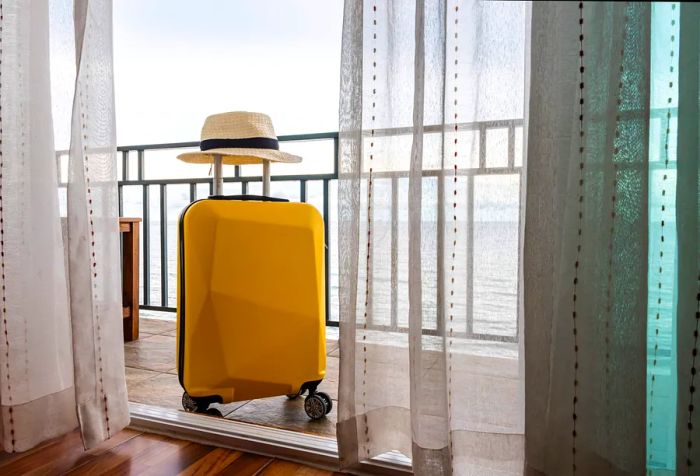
585,253
36,381
688,225
61,350
604,97
93,231
431,147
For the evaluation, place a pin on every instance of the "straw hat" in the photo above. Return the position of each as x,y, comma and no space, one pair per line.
240,138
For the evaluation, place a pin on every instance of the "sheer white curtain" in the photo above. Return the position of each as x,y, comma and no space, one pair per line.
93,231
61,350
585,253
433,95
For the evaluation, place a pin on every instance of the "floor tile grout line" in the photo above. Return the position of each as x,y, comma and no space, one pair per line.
149,377
146,368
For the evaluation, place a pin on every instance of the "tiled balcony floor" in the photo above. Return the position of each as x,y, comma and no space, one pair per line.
487,375
151,378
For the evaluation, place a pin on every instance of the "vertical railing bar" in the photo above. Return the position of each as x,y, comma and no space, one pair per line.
336,155
193,192
59,168
511,145
141,164
211,187
302,191
520,257
125,165
146,233
440,256
237,171
163,245
244,187
394,253
482,146
327,238
470,256
120,199
326,225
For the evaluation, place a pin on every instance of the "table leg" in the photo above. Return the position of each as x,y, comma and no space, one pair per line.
131,283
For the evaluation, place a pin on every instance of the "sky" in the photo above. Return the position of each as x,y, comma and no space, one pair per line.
177,61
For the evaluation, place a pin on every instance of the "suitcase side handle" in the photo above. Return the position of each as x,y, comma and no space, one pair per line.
257,198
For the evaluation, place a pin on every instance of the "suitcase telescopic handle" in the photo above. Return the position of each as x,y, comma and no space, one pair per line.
218,178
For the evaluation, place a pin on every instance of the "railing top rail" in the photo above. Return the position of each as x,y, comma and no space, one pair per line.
431,128
447,127
238,179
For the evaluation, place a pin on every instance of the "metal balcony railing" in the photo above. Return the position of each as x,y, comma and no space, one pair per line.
147,185
156,222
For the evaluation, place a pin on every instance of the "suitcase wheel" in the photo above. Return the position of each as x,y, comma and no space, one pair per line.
193,404
317,405
328,401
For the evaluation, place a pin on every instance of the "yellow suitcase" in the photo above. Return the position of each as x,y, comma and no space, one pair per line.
251,302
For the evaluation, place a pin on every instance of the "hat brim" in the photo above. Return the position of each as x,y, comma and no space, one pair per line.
239,156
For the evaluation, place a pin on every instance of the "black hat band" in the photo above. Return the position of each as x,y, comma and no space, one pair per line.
247,143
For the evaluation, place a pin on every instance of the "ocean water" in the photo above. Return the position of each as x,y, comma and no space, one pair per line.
490,296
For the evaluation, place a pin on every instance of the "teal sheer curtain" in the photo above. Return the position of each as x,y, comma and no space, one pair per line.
663,253
611,248
674,260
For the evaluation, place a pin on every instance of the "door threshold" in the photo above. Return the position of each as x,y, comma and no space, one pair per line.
315,450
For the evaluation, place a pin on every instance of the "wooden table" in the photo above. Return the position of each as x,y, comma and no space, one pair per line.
129,227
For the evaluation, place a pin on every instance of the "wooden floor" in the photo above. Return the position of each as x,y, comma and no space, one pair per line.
132,452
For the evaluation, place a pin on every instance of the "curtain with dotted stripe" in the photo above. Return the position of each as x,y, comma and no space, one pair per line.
662,310
586,241
433,95
61,351
617,355
36,378
610,257
92,238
